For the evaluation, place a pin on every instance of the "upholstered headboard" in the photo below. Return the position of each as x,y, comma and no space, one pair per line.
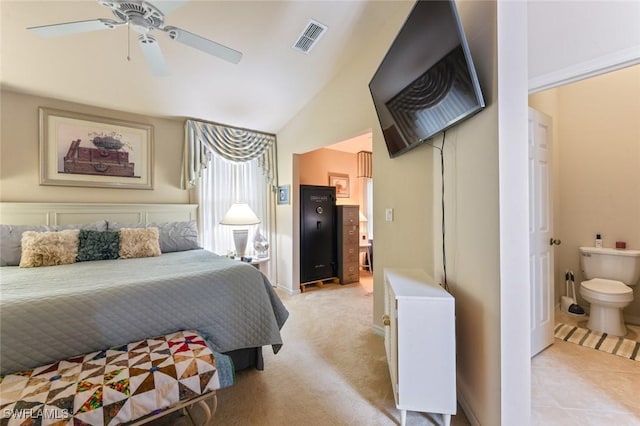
77,213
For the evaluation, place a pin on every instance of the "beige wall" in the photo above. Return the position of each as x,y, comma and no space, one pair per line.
316,165
597,163
19,152
410,184
341,111
472,227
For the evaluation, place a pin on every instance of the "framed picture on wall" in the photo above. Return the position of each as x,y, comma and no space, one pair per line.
283,194
84,150
341,182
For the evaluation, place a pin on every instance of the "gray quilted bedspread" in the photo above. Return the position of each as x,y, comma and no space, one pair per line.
53,313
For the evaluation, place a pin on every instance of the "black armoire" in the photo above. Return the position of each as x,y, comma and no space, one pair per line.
317,233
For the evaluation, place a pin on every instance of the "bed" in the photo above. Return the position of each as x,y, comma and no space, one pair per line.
55,312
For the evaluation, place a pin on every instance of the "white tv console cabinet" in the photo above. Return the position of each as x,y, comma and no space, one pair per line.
420,343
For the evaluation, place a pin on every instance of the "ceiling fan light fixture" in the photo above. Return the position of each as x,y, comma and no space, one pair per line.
140,25
137,11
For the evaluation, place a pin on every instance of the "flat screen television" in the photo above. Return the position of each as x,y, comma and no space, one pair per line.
426,82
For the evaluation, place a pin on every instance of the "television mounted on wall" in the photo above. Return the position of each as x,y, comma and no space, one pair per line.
426,82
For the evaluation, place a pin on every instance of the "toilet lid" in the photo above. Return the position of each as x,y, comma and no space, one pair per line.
600,285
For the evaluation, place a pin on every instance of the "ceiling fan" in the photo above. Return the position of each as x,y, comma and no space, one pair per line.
143,17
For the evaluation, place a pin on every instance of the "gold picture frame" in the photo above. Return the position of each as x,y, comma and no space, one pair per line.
341,183
89,151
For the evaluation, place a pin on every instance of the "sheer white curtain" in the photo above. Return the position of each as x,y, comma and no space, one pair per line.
368,204
225,182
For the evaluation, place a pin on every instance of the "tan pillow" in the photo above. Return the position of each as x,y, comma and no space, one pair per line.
49,248
139,242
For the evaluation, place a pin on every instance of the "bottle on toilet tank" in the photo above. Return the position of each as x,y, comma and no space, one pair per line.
598,241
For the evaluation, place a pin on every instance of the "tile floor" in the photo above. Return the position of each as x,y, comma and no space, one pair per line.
574,385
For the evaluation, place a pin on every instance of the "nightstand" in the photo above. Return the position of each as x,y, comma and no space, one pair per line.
259,263
366,249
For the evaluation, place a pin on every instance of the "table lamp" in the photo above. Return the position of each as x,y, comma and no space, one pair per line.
240,214
363,227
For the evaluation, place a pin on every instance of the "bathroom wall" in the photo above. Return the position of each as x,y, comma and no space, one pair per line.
597,168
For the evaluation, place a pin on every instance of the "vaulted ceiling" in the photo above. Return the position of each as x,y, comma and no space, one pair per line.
272,82
269,85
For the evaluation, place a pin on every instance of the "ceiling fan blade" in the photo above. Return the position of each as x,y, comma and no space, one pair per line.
153,55
168,6
66,28
201,43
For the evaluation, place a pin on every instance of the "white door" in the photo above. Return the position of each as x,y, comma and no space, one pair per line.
541,239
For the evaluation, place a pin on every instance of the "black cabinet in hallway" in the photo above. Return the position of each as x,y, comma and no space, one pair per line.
317,233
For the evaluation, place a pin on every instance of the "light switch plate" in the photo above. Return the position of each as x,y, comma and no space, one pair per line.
389,215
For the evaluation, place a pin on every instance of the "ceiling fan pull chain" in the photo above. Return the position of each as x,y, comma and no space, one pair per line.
128,42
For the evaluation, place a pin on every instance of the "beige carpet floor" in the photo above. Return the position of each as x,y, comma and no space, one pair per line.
331,370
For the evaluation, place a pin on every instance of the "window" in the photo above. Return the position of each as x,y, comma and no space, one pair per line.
223,183
229,165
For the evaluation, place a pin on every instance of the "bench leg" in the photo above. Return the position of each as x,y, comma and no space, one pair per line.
207,404
208,409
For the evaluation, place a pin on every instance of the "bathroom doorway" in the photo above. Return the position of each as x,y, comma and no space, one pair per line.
591,168
595,169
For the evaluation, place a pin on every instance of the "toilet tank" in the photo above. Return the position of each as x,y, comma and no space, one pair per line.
611,264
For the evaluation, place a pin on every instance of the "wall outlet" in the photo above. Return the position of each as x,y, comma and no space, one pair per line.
388,214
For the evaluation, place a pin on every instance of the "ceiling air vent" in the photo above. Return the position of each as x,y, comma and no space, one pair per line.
308,38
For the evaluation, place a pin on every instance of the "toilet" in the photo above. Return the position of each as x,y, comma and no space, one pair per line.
610,273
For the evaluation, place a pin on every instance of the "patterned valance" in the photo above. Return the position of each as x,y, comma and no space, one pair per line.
231,143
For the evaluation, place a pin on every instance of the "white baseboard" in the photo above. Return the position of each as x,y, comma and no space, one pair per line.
632,319
464,404
629,319
378,329
289,291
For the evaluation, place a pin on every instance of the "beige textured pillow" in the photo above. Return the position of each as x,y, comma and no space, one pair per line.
49,248
139,242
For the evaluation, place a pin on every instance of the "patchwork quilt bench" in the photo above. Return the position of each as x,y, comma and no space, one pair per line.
130,384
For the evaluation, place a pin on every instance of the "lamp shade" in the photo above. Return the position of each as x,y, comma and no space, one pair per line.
240,214
365,164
